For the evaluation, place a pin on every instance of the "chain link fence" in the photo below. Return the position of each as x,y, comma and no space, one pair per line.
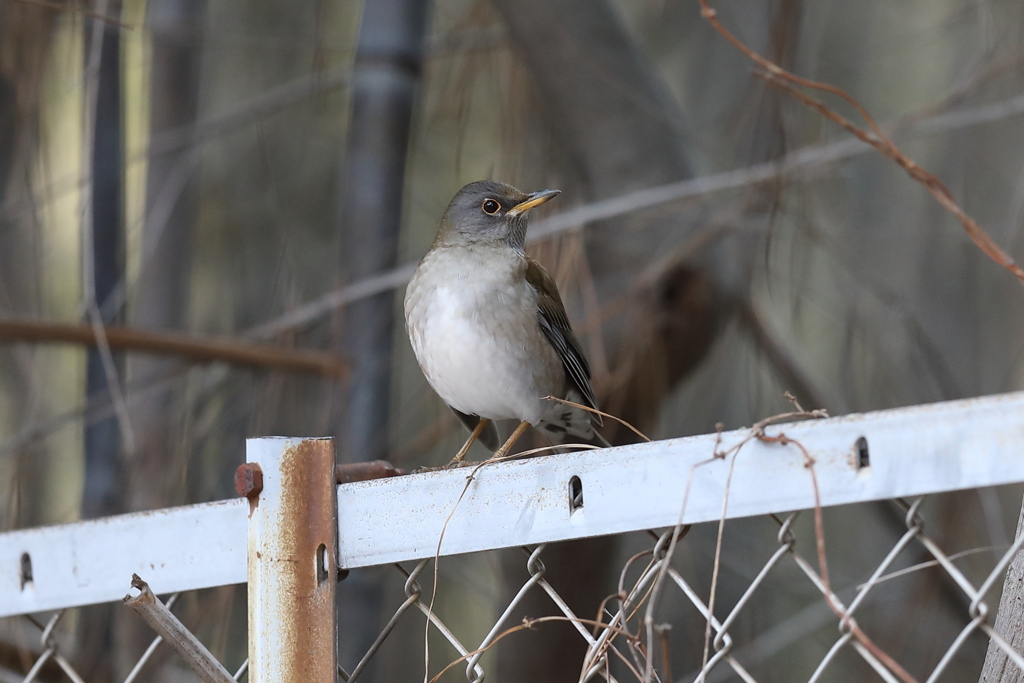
49,646
682,607
629,641
626,641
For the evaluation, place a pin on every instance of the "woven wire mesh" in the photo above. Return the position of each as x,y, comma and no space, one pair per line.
48,647
629,641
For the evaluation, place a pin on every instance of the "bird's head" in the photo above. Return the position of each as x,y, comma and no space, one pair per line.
489,212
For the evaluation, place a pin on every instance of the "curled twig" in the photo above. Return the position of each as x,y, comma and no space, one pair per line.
528,624
819,535
755,432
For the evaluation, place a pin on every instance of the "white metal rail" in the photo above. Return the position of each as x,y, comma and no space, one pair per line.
886,454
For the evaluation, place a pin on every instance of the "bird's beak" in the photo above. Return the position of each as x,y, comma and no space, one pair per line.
533,200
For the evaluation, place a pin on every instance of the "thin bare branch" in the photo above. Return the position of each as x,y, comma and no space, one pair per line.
779,77
819,534
934,186
271,101
163,621
175,344
806,161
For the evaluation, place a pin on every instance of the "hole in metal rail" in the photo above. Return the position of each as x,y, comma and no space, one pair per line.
863,457
322,568
575,494
26,570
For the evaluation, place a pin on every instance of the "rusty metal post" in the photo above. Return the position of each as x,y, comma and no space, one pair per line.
293,532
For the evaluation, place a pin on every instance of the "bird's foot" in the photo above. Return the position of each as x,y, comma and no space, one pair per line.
507,446
454,464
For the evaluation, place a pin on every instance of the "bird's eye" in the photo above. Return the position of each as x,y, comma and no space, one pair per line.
491,207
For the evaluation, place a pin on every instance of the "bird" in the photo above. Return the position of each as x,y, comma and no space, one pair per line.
489,329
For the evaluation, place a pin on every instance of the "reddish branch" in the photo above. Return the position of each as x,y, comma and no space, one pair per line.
819,533
779,77
175,344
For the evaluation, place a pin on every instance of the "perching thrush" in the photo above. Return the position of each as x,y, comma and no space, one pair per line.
488,326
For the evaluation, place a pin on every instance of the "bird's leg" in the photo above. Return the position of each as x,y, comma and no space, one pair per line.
507,446
469,442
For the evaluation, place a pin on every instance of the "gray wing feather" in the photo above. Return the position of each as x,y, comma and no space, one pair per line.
554,323
573,360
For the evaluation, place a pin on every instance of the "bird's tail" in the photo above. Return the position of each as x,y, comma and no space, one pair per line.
579,432
599,440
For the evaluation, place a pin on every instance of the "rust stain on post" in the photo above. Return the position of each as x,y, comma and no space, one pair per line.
249,479
293,565
307,485
249,483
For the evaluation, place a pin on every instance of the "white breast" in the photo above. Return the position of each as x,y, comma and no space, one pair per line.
472,321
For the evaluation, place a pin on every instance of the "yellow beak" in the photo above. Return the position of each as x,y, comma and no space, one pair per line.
533,200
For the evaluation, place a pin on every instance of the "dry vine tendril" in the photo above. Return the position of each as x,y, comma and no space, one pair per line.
779,77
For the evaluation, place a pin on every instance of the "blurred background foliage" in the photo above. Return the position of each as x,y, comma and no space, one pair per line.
210,167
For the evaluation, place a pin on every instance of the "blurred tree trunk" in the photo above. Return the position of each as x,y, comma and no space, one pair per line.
388,65
389,60
8,131
622,131
25,34
102,494
103,490
161,296
12,246
162,292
